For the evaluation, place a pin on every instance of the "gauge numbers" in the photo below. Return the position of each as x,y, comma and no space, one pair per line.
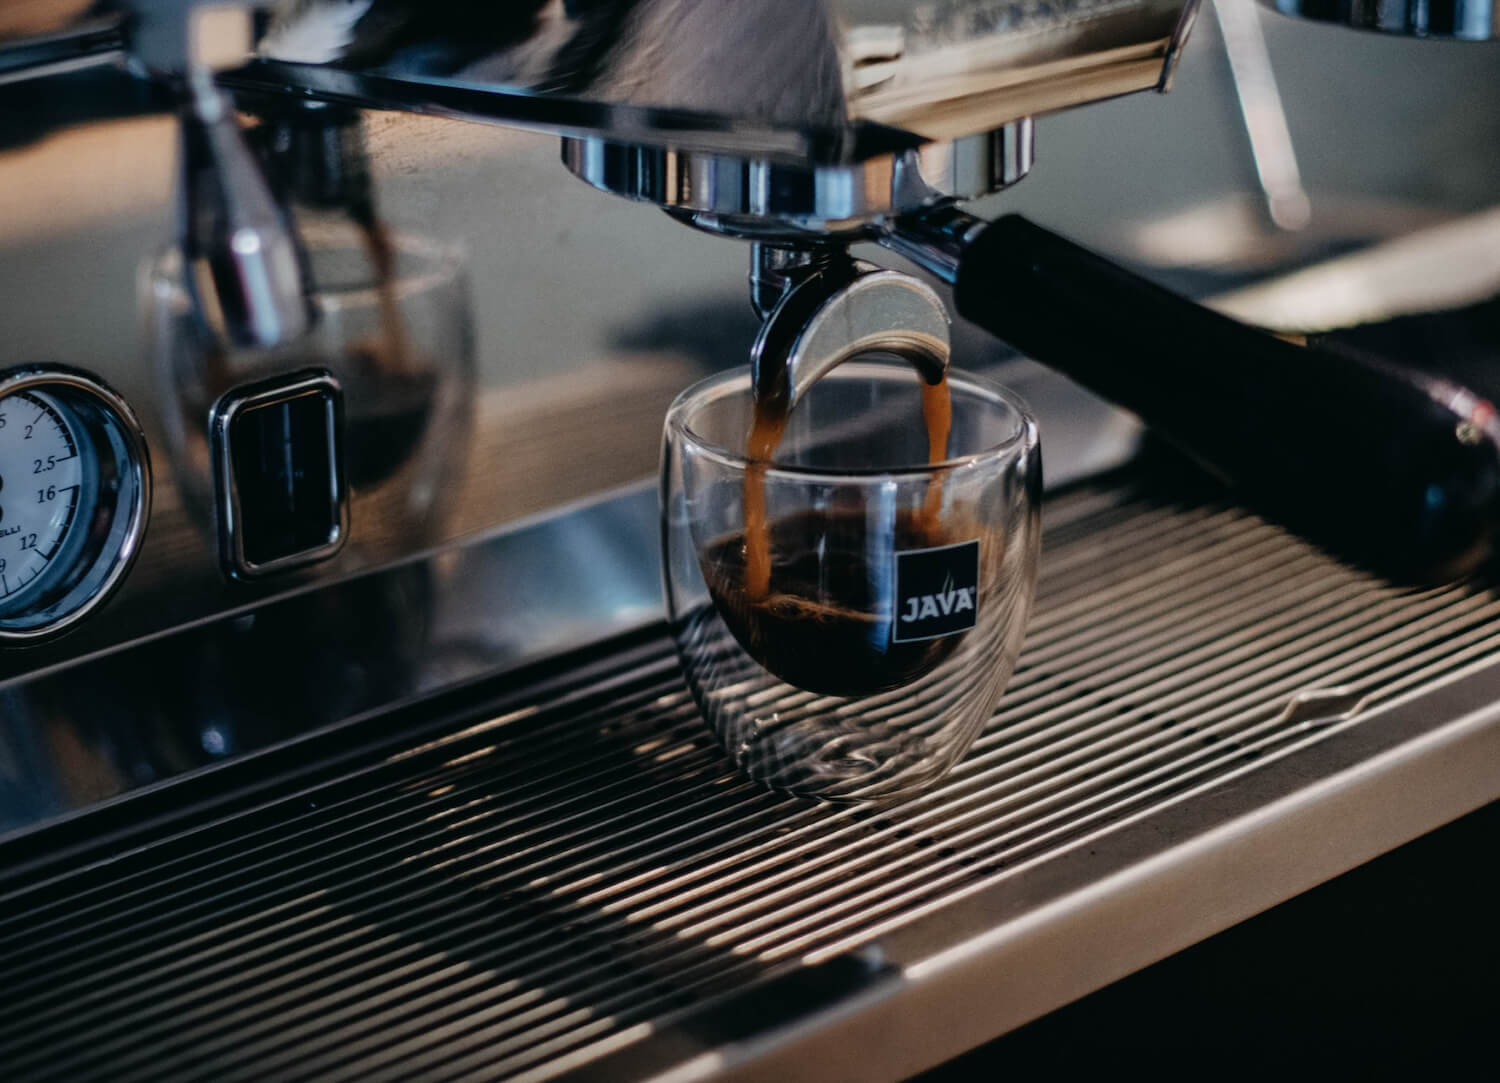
42,488
75,494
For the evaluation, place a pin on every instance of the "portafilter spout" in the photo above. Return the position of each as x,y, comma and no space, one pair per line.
834,309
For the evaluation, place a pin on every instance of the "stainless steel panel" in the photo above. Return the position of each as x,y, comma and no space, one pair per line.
823,81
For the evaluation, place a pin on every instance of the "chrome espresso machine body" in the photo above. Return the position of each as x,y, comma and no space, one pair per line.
399,654
263,151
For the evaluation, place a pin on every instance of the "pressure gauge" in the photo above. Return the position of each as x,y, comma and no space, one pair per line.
75,492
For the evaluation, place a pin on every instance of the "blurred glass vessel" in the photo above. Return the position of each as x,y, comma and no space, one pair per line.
394,329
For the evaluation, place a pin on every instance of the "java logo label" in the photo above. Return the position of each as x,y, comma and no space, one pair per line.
937,591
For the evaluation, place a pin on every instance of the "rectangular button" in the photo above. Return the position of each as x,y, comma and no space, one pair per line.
282,500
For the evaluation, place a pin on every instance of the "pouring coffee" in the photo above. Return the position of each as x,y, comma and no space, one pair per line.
810,594
814,595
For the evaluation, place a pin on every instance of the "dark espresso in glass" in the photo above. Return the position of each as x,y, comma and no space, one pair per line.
810,596
827,620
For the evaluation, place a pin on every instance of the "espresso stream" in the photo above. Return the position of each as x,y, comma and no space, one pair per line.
816,616
766,430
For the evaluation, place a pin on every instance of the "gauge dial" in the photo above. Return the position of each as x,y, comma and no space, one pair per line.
74,495
42,491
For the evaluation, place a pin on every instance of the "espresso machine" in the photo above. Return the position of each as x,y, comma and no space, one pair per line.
340,733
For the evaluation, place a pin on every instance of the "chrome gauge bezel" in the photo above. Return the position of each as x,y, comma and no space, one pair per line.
106,423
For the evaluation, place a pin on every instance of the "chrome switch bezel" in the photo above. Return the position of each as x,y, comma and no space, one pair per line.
232,557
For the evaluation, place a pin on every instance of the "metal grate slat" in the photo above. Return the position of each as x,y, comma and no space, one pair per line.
553,879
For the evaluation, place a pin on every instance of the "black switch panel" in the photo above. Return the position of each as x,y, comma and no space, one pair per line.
278,452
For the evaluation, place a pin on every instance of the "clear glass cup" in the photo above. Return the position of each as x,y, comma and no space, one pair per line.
899,589
400,345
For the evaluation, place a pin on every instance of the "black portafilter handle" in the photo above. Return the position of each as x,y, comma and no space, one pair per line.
1391,468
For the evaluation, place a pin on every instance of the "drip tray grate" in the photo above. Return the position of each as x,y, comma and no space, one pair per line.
581,872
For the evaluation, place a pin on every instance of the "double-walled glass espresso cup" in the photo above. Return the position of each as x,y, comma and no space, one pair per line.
864,655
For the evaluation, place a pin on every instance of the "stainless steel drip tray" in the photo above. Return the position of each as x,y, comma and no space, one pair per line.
562,877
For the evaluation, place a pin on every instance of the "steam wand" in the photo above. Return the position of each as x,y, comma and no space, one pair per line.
245,268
